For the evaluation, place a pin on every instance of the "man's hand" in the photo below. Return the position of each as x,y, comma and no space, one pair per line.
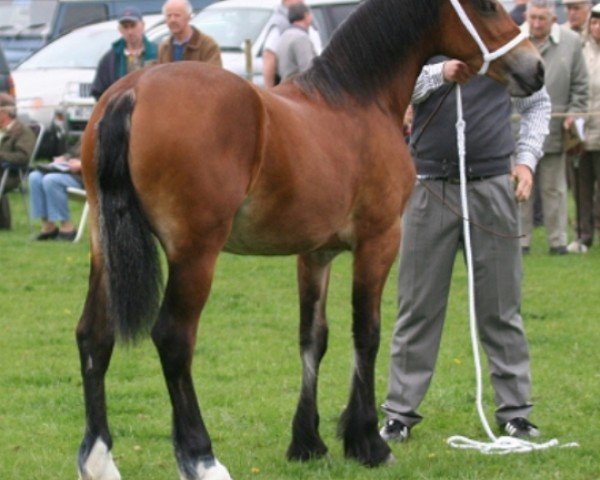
457,71
568,123
74,165
523,178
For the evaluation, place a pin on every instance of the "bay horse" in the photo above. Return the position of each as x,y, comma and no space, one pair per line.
205,162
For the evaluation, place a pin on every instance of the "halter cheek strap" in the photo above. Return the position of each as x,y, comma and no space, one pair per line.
487,56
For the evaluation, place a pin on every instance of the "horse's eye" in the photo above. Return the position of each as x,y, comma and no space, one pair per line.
487,6
490,6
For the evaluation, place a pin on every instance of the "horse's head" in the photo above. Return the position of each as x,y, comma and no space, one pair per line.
482,33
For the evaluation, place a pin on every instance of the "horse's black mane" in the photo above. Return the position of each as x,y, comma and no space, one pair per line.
365,52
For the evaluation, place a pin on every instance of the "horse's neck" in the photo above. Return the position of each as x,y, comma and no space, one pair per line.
396,95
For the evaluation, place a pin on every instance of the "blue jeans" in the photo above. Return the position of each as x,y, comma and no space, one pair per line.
48,194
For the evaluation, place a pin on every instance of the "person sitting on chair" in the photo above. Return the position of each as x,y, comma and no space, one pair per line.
17,142
48,195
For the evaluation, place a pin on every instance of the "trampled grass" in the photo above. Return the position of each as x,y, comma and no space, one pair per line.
247,373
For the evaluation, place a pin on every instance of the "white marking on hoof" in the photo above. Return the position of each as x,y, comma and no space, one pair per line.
210,470
99,464
390,460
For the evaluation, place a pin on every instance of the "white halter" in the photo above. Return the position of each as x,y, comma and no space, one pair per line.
487,56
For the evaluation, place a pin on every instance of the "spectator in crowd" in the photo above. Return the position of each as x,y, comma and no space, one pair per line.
131,52
295,50
578,12
17,142
518,11
278,24
48,195
186,42
433,235
587,171
567,84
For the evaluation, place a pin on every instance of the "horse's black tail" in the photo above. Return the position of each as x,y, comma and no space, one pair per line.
134,280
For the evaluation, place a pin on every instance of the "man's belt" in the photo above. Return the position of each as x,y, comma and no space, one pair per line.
454,180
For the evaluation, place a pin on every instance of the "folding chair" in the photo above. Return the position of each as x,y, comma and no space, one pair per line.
80,194
38,130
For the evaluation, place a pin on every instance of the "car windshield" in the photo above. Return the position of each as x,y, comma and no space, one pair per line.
26,17
230,27
79,49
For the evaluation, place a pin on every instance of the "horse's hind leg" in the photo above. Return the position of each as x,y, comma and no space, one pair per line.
95,338
175,336
313,279
358,425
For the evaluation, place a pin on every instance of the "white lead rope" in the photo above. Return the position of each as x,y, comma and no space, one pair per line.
497,445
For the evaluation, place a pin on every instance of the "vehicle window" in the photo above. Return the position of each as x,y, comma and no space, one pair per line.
78,15
4,70
79,49
26,17
230,28
328,18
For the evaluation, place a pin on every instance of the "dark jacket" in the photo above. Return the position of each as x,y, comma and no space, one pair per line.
113,65
16,148
17,145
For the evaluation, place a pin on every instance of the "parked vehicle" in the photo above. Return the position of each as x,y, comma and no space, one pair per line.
6,81
231,22
26,26
63,69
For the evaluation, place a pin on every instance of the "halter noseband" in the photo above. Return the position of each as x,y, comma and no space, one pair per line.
487,56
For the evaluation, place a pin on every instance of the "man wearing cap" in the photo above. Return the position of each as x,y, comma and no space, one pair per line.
186,42
295,51
578,12
131,52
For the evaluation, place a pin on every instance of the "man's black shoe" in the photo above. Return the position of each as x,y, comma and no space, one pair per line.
521,428
394,431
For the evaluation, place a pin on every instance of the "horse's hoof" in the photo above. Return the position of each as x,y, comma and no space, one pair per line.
304,453
209,470
390,460
99,464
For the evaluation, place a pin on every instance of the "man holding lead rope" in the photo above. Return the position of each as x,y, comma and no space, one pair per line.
433,235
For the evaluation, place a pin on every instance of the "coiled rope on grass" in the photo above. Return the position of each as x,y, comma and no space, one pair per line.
496,445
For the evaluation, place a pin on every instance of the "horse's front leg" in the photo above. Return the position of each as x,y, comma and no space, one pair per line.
95,339
358,425
175,336
313,279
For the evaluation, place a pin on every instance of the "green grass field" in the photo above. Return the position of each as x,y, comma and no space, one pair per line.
247,372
